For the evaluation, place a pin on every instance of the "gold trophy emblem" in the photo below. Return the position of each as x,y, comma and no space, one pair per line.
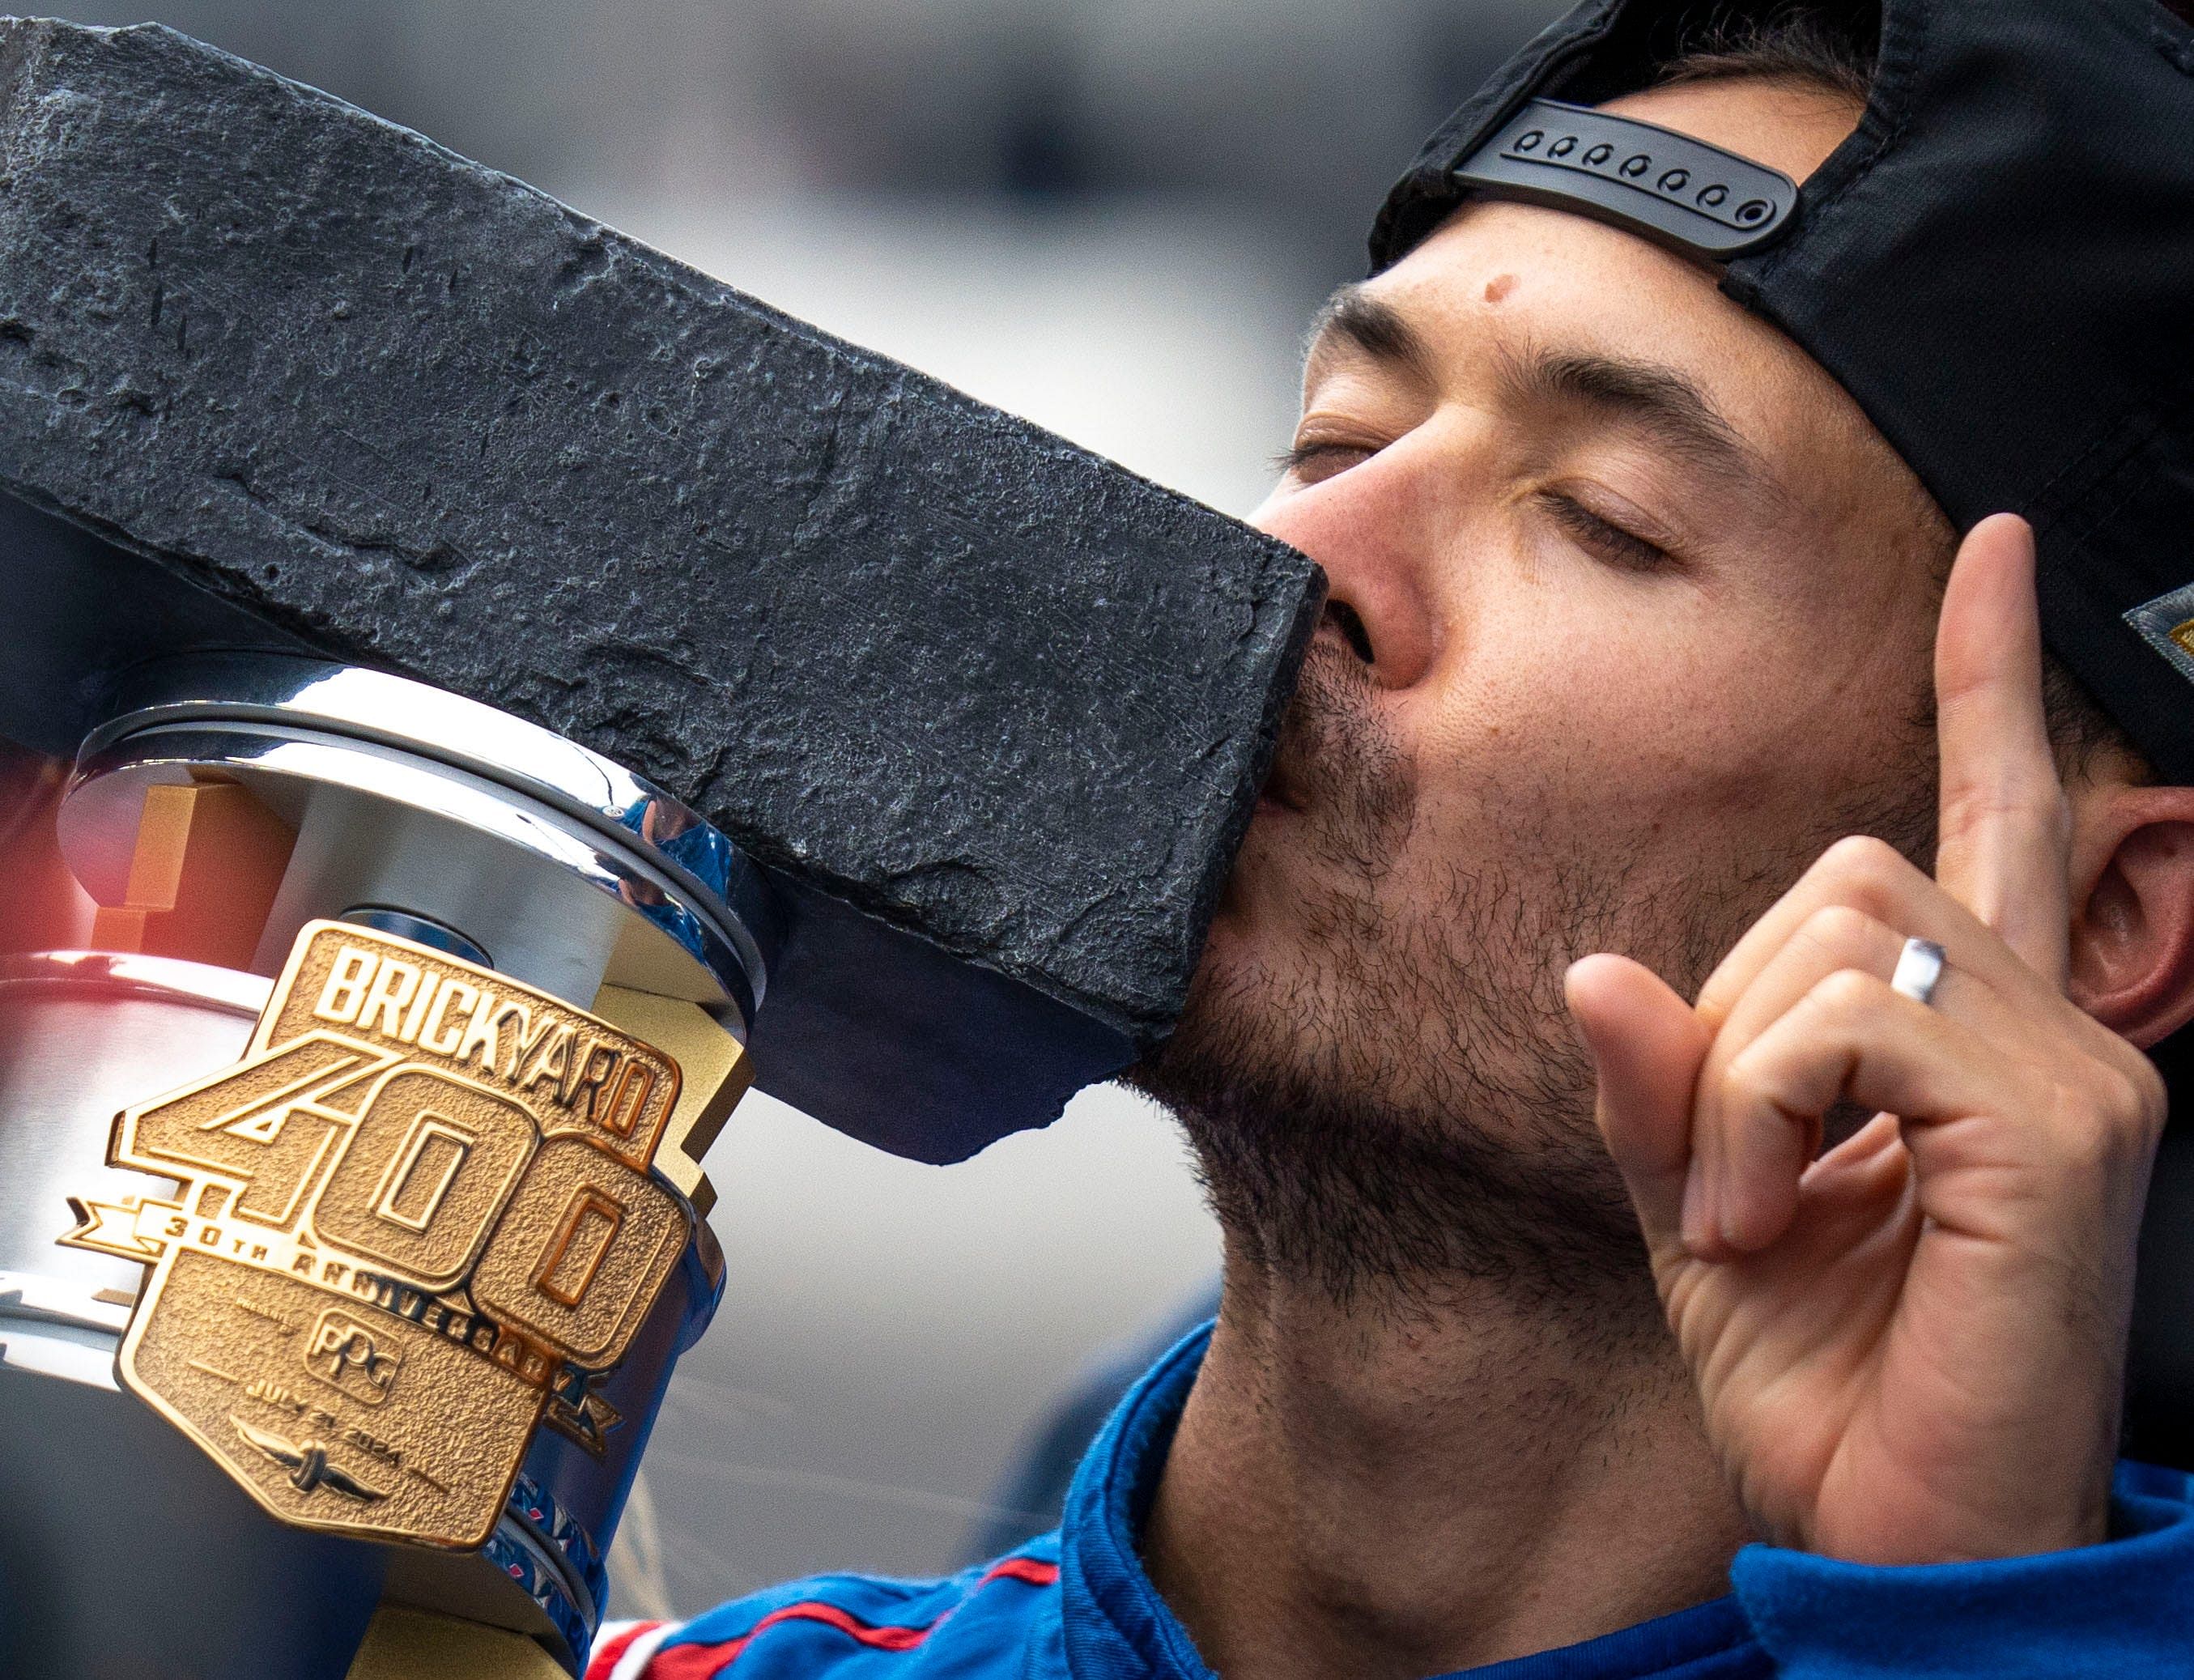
416,1218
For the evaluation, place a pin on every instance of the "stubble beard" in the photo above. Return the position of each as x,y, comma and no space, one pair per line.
1407,1112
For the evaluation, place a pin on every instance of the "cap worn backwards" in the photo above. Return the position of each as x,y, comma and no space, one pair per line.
1998,265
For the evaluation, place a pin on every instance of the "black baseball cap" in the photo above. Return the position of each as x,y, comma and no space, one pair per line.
1998,265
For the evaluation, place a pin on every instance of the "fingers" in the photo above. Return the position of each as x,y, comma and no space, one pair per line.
1838,935
1832,939
2004,833
1850,1038
1647,1044
1742,1177
2058,1116
1871,877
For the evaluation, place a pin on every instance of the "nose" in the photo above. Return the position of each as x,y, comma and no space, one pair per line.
1366,529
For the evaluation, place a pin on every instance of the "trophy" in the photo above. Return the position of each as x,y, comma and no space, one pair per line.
477,696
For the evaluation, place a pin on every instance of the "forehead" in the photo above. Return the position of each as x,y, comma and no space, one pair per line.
1506,276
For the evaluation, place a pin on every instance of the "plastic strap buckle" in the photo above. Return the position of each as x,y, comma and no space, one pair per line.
1678,192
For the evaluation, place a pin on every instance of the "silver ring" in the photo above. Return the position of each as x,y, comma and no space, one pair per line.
1918,971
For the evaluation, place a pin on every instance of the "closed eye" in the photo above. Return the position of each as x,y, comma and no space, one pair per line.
1311,460
1603,537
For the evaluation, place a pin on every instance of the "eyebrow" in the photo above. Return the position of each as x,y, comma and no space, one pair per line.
1655,400
1371,326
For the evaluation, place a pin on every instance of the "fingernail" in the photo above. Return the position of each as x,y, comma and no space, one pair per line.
1698,1208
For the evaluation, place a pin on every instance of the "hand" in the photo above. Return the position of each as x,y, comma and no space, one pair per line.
1909,1349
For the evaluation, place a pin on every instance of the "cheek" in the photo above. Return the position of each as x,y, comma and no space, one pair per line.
1666,721
1642,743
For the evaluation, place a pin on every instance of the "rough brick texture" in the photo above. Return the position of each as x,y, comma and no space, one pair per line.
912,653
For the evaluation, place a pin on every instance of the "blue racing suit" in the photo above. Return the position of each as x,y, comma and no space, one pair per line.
1076,1604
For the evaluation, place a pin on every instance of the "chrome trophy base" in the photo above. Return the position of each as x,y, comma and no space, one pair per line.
125,1551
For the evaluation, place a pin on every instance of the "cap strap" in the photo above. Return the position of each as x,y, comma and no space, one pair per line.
1673,189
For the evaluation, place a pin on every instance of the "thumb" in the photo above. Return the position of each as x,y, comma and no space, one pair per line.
1647,1044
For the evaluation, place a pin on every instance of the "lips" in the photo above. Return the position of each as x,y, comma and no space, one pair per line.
1338,765
1305,729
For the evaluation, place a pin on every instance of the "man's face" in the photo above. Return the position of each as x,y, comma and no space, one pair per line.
1632,612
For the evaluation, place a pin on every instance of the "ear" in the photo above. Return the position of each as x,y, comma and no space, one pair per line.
2132,915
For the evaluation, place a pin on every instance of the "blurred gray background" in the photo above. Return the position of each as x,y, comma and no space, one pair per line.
1115,217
